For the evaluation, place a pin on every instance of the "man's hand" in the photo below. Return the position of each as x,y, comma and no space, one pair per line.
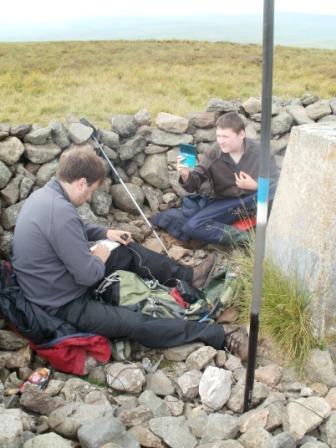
183,170
121,236
101,252
246,182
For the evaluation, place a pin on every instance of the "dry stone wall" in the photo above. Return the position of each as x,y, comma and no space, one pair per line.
143,152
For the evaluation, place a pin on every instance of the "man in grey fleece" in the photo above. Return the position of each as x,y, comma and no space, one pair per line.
57,270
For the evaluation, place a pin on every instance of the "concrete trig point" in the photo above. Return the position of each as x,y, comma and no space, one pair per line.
301,234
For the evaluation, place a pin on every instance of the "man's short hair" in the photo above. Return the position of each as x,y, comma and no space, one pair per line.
231,120
81,162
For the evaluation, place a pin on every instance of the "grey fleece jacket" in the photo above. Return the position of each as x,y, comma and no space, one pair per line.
51,255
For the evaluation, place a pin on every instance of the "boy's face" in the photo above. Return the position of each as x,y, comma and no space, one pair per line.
229,141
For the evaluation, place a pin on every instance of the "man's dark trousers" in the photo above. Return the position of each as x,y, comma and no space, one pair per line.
114,322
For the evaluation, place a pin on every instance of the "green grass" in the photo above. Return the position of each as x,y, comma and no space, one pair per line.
43,81
284,315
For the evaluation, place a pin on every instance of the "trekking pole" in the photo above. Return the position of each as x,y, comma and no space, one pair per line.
115,172
263,192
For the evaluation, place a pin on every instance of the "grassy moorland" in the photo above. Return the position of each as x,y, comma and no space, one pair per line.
39,81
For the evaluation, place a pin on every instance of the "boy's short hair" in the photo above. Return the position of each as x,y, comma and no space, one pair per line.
231,120
81,162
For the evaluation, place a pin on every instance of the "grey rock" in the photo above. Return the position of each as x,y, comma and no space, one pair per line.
125,377
215,387
275,403
110,153
79,133
320,367
173,431
38,136
305,414
46,172
59,134
16,359
87,214
139,159
122,200
5,175
101,203
11,428
331,430
269,374
11,341
36,400
6,241
54,387
250,132
221,106
124,125
254,417
26,186
256,438
280,144
10,214
222,444
143,118
175,405
197,421
159,383
76,389
281,123
132,147
232,363
135,416
284,440
252,106
309,98
10,194
162,138
318,110
145,437
153,197
110,139
171,123
220,427
189,383
200,358
66,420
181,352
155,149
236,400
202,120
21,130
314,444
155,171
11,149
205,135
328,119
42,153
100,431
299,114
155,404
3,135
50,440
131,168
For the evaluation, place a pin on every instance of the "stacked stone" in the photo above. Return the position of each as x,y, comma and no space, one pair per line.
144,155
189,396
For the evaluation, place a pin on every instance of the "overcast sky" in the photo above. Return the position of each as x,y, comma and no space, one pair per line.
35,11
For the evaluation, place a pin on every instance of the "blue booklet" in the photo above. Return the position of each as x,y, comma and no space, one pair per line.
188,155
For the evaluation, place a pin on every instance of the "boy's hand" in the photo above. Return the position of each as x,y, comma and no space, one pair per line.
245,181
121,236
183,170
101,252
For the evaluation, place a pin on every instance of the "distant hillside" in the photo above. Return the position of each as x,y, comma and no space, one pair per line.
48,80
299,30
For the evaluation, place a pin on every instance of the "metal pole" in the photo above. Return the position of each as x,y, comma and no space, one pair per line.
263,192
115,172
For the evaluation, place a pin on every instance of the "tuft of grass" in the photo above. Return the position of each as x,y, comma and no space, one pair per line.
47,80
284,313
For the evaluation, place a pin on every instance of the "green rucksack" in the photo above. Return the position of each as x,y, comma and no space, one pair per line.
151,298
